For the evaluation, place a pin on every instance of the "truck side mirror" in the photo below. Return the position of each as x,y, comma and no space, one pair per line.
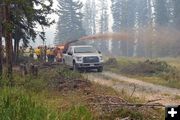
69,53
99,52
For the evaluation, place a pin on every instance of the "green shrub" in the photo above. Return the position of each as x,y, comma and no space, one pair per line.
143,68
68,74
16,105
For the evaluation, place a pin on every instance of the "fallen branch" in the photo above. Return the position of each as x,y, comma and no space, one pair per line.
133,90
150,101
129,104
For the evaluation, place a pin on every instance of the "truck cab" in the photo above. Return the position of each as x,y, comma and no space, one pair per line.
83,57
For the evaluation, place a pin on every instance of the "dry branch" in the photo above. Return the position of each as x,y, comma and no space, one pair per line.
129,104
133,90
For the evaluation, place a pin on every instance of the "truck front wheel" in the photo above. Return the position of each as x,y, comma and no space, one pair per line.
100,69
75,68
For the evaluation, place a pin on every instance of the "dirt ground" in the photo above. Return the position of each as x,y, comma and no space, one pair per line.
137,88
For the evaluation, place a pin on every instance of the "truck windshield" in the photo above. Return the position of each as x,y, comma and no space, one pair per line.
84,50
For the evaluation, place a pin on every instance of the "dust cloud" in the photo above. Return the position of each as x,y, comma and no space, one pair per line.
148,34
107,36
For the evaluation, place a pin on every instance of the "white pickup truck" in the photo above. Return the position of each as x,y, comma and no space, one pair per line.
83,57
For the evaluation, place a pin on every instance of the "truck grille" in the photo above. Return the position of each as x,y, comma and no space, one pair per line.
92,59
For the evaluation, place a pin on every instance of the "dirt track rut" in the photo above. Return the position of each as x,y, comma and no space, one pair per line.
147,91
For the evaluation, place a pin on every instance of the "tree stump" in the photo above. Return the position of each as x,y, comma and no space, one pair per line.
33,70
23,69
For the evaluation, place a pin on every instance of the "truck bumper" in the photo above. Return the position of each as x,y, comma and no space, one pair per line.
89,65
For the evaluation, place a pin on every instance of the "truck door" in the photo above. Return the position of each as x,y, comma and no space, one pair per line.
69,59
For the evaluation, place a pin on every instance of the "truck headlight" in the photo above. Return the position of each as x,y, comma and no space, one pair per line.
79,59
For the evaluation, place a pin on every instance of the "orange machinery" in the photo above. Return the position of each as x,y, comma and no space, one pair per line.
61,49
59,52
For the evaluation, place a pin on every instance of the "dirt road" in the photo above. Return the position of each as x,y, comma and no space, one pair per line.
137,88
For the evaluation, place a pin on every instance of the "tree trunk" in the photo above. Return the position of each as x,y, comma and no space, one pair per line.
16,45
9,47
14,52
17,52
1,47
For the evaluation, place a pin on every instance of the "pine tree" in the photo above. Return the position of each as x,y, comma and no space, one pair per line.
143,22
161,13
88,17
70,21
103,45
117,14
176,13
24,16
90,21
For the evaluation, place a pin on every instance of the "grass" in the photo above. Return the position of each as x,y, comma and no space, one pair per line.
157,80
163,79
17,105
177,97
20,104
77,113
32,98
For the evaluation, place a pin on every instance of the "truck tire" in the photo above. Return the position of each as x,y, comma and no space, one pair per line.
100,69
63,61
75,68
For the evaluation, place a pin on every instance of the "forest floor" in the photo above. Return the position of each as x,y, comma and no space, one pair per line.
58,93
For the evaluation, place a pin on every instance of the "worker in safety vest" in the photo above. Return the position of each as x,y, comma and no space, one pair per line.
48,52
52,55
38,53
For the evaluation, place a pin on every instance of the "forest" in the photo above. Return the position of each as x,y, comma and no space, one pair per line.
140,45
153,25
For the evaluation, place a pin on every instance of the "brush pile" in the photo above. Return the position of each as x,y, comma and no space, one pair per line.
144,68
152,68
67,80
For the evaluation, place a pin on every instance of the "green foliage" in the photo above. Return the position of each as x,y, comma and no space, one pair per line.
68,74
70,21
77,113
35,84
15,104
25,17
